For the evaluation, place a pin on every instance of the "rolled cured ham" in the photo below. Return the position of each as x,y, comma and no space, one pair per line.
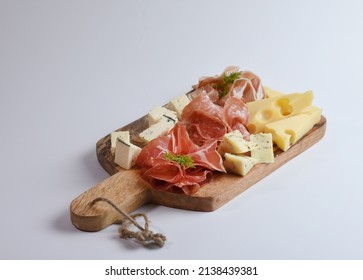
174,163
206,121
231,83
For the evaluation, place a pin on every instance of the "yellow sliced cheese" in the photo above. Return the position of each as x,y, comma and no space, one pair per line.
238,164
234,143
262,112
288,131
264,152
272,93
124,135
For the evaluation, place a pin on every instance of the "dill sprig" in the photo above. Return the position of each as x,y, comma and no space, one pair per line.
183,160
227,81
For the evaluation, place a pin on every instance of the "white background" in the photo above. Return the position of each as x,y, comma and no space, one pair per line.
73,71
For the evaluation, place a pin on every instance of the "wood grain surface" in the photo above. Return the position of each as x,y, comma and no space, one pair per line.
127,190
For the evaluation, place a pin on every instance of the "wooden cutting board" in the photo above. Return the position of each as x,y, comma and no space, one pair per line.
127,190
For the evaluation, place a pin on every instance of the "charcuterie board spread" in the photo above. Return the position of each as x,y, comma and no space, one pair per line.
202,149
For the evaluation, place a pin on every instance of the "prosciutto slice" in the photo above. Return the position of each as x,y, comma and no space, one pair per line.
206,121
247,86
235,115
216,79
168,175
203,119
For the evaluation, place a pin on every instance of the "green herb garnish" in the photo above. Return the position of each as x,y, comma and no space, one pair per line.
228,80
183,160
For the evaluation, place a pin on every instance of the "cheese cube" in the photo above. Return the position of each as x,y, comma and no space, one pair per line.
124,135
238,164
288,131
262,112
178,104
157,113
158,129
126,153
264,152
234,143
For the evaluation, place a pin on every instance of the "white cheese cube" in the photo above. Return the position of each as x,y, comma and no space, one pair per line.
238,164
157,113
234,143
178,104
158,129
124,135
126,153
264,152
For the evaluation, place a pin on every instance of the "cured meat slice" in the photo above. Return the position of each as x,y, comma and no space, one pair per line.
232,82
204,119
174,163
153,150
178,180
216,79
206,157
203,127
236,116
207,89
248,86
203,103
207,121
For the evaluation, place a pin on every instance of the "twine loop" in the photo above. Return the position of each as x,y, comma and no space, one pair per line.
144,236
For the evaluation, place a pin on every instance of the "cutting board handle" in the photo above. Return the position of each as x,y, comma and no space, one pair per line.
126,189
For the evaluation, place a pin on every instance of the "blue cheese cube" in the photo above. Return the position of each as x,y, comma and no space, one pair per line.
178,104
126,153
234,143
238,164
158,129
124,135
264,152
156,113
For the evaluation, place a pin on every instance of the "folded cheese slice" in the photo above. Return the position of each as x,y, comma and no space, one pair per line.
288,131
272,109
272,93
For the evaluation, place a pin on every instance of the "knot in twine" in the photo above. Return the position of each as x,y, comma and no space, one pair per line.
144,236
